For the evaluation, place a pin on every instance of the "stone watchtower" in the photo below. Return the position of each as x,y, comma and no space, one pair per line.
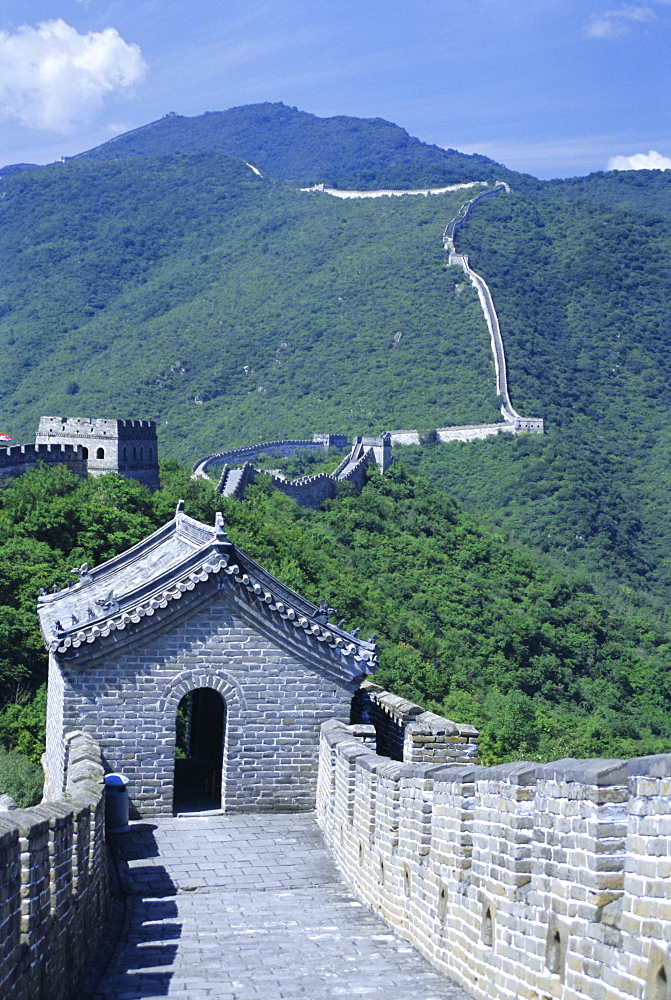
199,675
124,446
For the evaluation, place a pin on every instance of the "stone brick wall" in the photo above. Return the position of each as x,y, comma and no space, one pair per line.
405,731
125,446
127,699
236,456
405,437
54,885
390,192
522,880
521,424
308,491
17,459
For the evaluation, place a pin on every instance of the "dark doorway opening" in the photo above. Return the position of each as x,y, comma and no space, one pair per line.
199,751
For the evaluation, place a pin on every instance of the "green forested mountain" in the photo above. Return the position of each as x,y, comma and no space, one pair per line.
583,292
146,285
160,277
292,145
466,623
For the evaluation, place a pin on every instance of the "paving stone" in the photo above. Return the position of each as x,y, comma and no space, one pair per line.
291,930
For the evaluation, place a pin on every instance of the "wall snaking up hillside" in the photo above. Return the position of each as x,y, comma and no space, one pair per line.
236,456
519,880
308,491
515,423
54,889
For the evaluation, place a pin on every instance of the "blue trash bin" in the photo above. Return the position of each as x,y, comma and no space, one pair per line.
116,803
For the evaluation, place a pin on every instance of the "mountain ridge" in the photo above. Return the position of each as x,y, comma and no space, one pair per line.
300,147
234,309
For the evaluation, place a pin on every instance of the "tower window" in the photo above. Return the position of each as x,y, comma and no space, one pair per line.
100,453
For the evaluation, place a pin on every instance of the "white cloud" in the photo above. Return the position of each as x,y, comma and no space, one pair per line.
613,23
640,161
51,76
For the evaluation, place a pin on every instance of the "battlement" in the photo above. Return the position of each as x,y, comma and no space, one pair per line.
308,491
236,456
128,447
54,883
18,458
523,879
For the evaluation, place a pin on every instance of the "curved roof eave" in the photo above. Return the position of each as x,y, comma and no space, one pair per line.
158,570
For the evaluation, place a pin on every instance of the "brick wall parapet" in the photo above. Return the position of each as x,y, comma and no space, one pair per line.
405,731
16,459
308,491
54,885
517,880
235,456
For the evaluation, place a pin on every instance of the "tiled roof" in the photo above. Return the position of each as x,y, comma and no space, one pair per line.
176,559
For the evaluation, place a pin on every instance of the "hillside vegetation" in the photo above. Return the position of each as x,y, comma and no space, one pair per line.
466,623
159,277
295,146
263,312
583,292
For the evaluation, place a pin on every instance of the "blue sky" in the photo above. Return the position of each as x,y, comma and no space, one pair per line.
552,87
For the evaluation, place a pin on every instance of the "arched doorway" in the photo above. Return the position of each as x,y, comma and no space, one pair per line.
200,726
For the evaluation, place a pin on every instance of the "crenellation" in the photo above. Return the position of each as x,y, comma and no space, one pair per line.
128,447
523,879
53,886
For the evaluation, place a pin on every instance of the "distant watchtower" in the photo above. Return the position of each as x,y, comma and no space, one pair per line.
124,446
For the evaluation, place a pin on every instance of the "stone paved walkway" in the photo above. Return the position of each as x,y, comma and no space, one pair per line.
252,907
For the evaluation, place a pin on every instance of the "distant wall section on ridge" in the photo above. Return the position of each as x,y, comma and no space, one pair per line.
308,491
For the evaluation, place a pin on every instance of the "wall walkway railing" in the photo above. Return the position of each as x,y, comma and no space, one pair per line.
54,891
522,880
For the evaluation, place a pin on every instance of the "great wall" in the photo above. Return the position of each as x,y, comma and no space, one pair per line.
310,491
94,446
524,880
521,880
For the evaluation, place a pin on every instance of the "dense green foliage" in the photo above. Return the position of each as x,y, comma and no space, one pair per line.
266,313
279,312
362,153
466,623
470,625
20,778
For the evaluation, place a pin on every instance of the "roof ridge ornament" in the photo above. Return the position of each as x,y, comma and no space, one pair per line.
108,604
179,509
220,528
82,572
323,613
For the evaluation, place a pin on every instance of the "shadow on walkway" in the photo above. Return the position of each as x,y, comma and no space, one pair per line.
251,907
148,937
